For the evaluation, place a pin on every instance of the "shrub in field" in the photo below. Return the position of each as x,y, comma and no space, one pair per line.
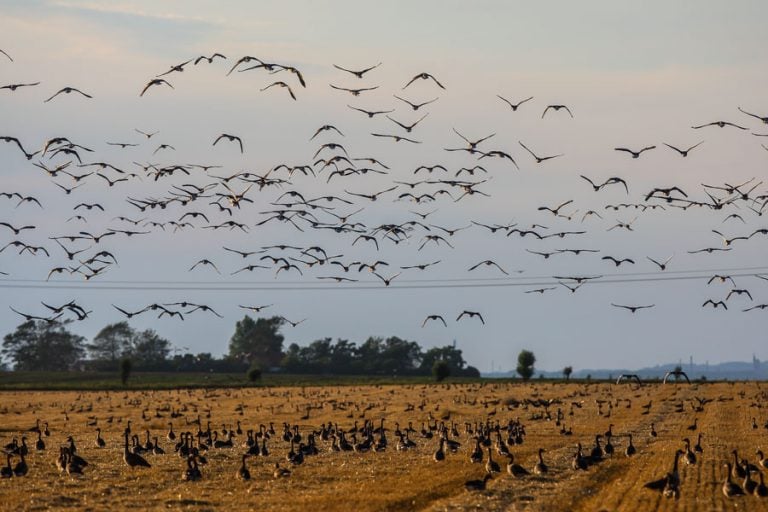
441,370
125,370
254,373
525,362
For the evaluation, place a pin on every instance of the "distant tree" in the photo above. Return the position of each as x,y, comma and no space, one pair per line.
471,371
43,346
525,362
441,370
567,371
369,355
344,357
676,372
448,353
318,355
112,342
292,361
149,349
125,370
258,341
400,355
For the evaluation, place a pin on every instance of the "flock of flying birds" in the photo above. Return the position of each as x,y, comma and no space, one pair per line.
209,199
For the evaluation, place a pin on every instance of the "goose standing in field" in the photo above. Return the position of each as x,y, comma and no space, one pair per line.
99,441
761,460
630,450
133,459
737,470
540,468
698,448
730,489
476,457
439,454
477,485
596,455
516,470
281,472
71,464
761,491
608,448
243,473
171,434
690,457
669,484
749,485
192,472
491,466
7,471
579,462
21,468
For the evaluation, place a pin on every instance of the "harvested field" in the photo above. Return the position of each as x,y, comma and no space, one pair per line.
391,479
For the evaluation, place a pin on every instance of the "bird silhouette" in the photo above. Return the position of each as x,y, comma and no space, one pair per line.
556,108
424,76
514,106
280,84
635,154
354,92
632,309
662,265
684,152
68,90
230,138
153,82
721,124
13,87
415,106
359,73
434,317
471,314
539,159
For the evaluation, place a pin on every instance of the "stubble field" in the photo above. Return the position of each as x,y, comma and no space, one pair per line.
390,479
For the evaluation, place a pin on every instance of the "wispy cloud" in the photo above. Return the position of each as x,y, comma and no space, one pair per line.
133,10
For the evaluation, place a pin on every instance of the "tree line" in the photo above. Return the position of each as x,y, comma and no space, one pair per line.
50,346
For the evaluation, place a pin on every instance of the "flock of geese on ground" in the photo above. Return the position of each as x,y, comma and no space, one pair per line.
208,199
483,442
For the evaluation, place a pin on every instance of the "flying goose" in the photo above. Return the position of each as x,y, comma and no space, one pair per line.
68,90
514,106
360,73
424,76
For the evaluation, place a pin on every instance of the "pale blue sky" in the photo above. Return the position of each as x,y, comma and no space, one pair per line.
634,75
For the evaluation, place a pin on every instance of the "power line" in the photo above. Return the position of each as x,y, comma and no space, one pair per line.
671,273
348,287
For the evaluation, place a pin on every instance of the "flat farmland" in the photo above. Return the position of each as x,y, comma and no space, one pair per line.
552,416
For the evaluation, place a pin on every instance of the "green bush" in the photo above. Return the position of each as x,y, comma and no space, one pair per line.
254,373
441,370
125,370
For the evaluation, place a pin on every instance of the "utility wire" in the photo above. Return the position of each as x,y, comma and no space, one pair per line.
366,285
